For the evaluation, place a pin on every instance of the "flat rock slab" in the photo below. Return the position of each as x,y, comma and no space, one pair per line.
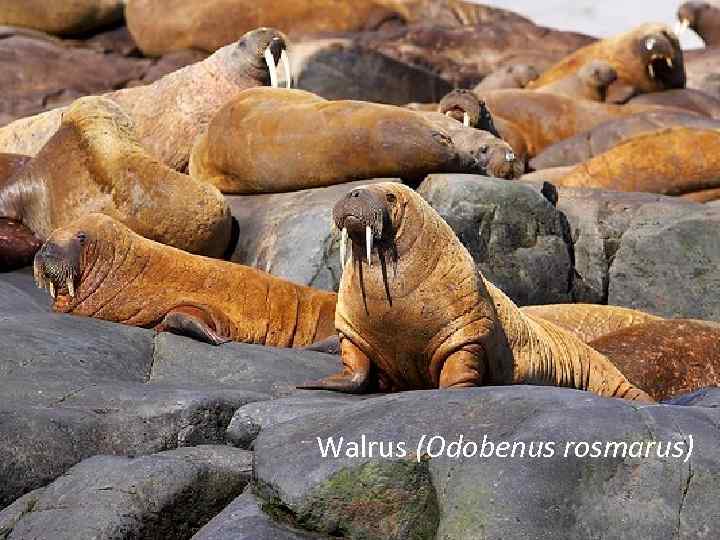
499,496
166,495
518,239
668,263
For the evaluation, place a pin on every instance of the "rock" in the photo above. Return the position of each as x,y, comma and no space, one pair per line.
291,235
598,219
61,17
519,241
336,69
244,519
166,495
668,262
496,497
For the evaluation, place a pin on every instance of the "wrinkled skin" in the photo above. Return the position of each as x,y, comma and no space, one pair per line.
170,113
247,148
99,268
704,19
667,358
591,82
592,143
647,59
674,161
418,315
509,76
94,163
18,244
61,17
693,101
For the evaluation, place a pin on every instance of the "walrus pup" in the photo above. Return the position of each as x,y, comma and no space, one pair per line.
437,322
274,140
170,113
656,162
94,163
647,59
666,357
702,18
590,82
99,268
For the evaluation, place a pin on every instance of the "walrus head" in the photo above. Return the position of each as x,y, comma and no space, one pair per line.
263,50
662,57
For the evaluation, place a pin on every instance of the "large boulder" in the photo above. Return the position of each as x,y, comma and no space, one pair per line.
518,239
374,491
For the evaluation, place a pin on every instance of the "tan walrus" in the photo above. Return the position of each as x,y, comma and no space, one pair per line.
171,112
99,268
646,59
94,163
270,140
417,314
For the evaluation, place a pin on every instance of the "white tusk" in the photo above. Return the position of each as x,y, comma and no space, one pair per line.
466,120
51,288
285,61
70,287
651,71
272,68
369,244
343,247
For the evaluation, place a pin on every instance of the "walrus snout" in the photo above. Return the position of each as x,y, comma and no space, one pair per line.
57,265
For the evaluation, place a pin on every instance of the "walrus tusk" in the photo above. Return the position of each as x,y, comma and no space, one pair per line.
51,288
681,27
285,61
272,68
369,243
466,120
70,287
343,247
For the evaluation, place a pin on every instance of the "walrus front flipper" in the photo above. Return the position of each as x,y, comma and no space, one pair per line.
18,245
354,379
191,322
329,345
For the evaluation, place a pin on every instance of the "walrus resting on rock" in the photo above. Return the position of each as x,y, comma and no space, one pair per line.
413,312
171,112
99,268
666,357
94,163
647,59
271,140
590,82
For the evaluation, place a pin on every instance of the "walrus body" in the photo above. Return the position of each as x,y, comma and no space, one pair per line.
99,268
587,145
666,358
61,16
94,163
647,59
421,316
674,161
171,112
271,140
590,82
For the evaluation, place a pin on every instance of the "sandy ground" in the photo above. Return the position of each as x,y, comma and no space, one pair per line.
599,17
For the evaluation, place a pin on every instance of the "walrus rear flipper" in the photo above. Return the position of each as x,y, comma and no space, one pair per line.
191,322
18,245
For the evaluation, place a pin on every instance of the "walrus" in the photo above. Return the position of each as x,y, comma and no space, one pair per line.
413,312
703,18
270,140
97,267
590,82
689,99
171,112
646,59
602,138
94,163
508,76
666,357
674,161
61,17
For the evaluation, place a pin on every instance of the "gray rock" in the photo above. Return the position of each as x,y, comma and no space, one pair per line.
166,495
518,239
497,497
244,519
291,235
598,219
669,262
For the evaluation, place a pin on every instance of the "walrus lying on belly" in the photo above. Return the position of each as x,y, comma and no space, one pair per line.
413,312
99,268
271,140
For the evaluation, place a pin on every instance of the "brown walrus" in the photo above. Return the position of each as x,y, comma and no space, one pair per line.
674,161
170,113
703,18
94,163
270,140
417,314
99,268
585,146
61,16
666,358
590,82
646,59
